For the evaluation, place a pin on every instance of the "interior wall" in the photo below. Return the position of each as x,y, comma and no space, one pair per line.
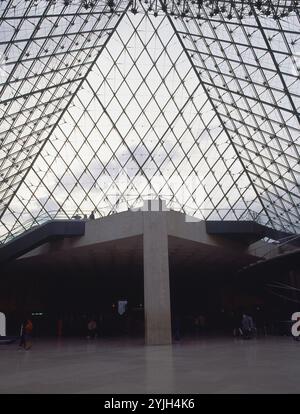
76,293
220,299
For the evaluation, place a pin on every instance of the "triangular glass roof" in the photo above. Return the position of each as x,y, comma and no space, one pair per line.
103,105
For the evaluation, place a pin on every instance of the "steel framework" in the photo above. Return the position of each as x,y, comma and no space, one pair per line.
104,103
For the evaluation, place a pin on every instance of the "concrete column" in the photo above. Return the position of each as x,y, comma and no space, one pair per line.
156,279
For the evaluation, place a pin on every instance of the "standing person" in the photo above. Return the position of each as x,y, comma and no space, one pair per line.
200,323
177,328
26,334
247,326
236,325
22,335
92,329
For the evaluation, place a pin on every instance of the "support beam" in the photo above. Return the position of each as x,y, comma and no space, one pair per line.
156,279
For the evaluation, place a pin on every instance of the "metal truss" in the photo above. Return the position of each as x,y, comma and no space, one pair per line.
103,104
249,71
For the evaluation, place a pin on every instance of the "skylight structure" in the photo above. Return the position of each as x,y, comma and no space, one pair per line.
106,103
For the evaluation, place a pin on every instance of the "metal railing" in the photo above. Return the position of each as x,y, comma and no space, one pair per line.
203,214
39,220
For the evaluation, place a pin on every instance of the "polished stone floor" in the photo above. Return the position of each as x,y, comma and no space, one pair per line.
214,365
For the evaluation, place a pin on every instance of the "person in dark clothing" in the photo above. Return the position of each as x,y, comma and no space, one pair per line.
26,335
176,324
92,329
247,326
22,336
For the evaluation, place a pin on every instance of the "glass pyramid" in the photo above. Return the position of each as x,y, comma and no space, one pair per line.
104,104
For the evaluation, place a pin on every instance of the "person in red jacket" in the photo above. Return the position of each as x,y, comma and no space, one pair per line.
26,335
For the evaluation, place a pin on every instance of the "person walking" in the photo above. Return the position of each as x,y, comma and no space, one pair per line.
22,335
26,334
